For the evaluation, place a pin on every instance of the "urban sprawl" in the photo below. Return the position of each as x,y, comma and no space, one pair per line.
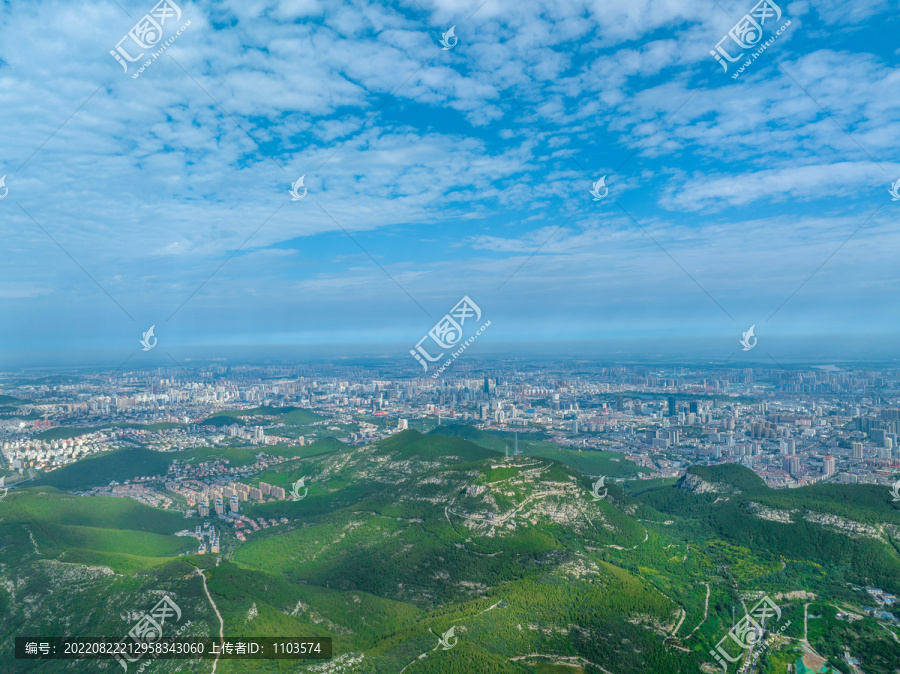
792,427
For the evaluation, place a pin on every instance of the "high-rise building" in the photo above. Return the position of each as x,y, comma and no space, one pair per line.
791,464
857,449
671,406
828,466
695,407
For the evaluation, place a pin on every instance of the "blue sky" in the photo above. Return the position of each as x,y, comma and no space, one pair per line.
434,174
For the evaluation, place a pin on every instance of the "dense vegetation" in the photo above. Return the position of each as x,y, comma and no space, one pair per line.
589,462
398,542
98,470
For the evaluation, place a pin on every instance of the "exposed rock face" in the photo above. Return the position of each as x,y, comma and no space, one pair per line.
840,524
772,514
796,594
695,485
844,525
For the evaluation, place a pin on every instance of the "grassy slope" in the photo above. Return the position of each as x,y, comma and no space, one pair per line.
292,416
367,548
66,432
99,470
376,563
589,462
731,546
244,456
113,531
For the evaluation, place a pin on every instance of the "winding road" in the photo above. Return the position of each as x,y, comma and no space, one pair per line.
218,615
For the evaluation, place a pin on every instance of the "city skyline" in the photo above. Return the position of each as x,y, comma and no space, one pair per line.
806,425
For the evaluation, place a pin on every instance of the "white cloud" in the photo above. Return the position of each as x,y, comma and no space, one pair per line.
151,185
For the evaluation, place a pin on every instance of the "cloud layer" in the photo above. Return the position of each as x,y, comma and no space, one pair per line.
436,173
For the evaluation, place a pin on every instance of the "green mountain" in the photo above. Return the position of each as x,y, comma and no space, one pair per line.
535,567
126,464
589,462
101,469
290,416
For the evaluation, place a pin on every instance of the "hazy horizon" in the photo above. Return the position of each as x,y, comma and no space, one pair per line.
770,352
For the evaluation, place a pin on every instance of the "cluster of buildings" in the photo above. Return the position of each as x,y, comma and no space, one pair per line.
793,427
206,535
222,499
136,491
245,525
885,600
25,451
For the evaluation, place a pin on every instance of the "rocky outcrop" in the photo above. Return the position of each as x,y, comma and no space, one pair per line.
795,594
692,483
772,514
850,527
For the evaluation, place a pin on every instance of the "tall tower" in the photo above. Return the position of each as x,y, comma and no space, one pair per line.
516,450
